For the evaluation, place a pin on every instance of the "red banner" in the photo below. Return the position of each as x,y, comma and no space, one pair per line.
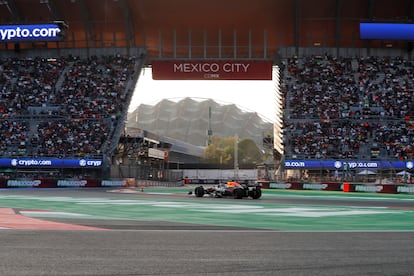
212,70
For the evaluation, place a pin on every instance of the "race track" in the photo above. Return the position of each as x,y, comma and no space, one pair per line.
168,232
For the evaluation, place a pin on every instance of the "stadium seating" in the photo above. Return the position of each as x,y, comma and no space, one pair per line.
335,107
344,107
66,106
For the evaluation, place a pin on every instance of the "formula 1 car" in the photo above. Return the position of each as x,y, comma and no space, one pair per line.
231,189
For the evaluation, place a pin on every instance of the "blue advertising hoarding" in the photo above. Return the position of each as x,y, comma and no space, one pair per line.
39,32
50,163
386,31
347,164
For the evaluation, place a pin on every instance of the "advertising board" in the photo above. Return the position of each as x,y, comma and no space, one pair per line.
38,32
212,70
50,163
386,31
346,164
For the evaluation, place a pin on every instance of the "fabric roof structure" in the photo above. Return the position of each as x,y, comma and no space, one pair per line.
188,120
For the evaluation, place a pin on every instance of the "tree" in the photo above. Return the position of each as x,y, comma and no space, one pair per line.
249,153
221,151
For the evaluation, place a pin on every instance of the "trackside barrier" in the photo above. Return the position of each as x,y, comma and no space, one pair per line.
71,183
154,183
406,189
50,183
345,187
131,182
348,187
86,183
322,186
203,181
3,183
387,189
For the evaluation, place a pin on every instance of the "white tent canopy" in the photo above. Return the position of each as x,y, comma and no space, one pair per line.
404,173
366,172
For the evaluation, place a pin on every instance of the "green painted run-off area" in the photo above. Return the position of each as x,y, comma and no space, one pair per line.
257,214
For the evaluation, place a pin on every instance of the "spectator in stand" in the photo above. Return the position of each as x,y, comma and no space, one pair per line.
79,102
334,105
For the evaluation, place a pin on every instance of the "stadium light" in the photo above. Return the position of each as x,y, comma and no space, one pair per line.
62,24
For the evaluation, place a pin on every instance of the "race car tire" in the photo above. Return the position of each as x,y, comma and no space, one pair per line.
256,194
199,191
238,193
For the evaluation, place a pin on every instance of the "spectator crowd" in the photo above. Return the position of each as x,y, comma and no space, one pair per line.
339,107
335,107
66,106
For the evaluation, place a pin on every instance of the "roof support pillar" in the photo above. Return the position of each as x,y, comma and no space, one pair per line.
86,22
234,44
129,29
338,25
219,44
296,24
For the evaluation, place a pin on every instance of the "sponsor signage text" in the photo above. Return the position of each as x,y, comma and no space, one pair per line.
212,70
39,32
346,164
50,163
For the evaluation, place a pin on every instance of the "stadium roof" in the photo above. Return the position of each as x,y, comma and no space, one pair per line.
161,25
189,120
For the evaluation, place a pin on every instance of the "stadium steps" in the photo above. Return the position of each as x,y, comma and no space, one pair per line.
61,79
111,144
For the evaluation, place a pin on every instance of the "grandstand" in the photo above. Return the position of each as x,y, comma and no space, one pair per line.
65,107
340,107
342,99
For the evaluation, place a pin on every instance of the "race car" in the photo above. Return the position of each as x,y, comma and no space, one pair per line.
231,189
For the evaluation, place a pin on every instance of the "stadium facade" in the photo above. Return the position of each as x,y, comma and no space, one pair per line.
320,34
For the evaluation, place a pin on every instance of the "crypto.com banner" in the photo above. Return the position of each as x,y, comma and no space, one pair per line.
50,163
40,32
212,70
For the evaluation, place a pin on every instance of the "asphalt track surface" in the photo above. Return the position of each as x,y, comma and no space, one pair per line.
168,232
